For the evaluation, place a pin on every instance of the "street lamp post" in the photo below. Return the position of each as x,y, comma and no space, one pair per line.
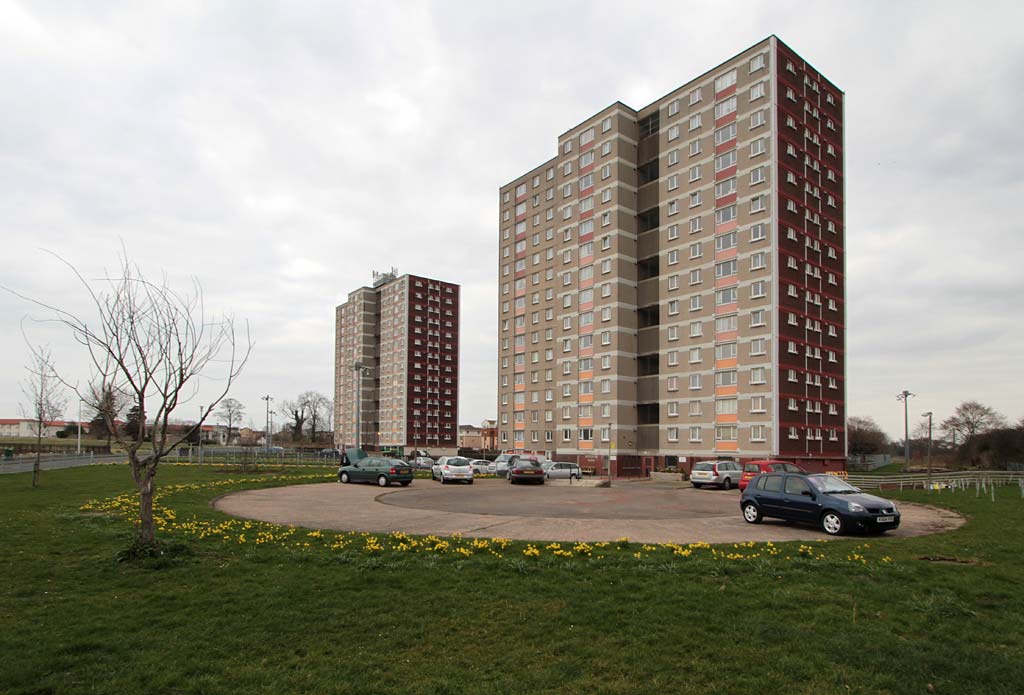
905,396
929,464
79,427
359,371
266,439
199,431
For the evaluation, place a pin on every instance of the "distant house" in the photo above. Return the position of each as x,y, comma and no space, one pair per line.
24,427
470,437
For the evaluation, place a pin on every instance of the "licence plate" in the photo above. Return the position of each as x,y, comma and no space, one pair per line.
885,519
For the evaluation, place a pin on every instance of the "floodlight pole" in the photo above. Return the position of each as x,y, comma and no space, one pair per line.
905,396
929,416
267,438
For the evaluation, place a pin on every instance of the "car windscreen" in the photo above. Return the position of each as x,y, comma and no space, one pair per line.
831,483
457,461
703,466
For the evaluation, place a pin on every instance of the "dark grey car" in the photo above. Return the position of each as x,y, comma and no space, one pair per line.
820,499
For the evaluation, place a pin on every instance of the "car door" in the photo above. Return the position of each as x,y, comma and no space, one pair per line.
769,494
799,500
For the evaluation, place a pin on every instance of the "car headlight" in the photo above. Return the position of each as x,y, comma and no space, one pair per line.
854,507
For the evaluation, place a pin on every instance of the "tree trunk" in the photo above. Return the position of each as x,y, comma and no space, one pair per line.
35,466
147,529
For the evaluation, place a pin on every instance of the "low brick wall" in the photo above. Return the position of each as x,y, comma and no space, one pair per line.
668,477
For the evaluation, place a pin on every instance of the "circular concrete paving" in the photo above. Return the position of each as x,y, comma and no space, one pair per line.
647,512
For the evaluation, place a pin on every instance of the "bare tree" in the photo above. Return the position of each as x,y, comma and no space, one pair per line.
971,418
297,414
864,436
44,399
318,410
230,411
149,344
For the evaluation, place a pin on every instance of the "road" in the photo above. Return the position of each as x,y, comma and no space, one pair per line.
24,465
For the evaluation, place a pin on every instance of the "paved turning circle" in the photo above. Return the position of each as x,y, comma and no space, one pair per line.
648,512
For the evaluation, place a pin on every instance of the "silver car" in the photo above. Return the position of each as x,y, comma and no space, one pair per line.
724,474
479,466
422,463
450,468
554,470
500,465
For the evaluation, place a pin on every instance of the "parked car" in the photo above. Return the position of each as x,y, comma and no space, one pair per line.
525,470
329,454
422,463
382,471
452,468
821,499
724,474
754,468
479,466
557,469
501,464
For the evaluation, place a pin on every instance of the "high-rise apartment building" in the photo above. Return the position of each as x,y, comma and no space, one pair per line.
397,355
672,281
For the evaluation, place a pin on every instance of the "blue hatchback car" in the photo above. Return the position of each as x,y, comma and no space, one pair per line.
820,499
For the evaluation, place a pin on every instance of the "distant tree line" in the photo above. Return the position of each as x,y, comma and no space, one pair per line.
975,434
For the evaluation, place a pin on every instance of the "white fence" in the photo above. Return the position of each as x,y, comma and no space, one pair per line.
944,479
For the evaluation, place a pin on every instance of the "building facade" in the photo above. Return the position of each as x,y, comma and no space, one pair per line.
397,355
672,281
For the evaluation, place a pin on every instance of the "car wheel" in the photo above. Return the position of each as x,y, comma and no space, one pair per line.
727,484
832,523
405,483
382,480
751,514
344,477
698,485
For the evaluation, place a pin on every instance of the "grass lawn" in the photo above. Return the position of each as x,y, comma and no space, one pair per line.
329,613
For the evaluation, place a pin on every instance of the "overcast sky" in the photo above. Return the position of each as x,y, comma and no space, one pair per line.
280,152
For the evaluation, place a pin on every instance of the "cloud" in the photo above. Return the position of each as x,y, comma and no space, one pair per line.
281,153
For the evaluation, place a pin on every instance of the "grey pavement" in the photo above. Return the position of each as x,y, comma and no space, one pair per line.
642,512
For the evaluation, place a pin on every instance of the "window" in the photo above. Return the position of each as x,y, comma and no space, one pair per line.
672,383
757,232
724,108
673,257
567,147
695,96
673,231
695,122
695,382
757,261
673,157
673,207
757,375
673,182
673,434
725,81
725,296
696,329
673,408
757,433
606,124
694,434
695,276
724,188
673,133
757,318
757,289
757,147
694,148
695,303
695,173
757,91
606,171
673,307
725,242
757,62
726,160
756,175
673,358
695,225
725,433
757,119
673,107
696,250
725,269
673,332
695,355
723,135
694,200
587,136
